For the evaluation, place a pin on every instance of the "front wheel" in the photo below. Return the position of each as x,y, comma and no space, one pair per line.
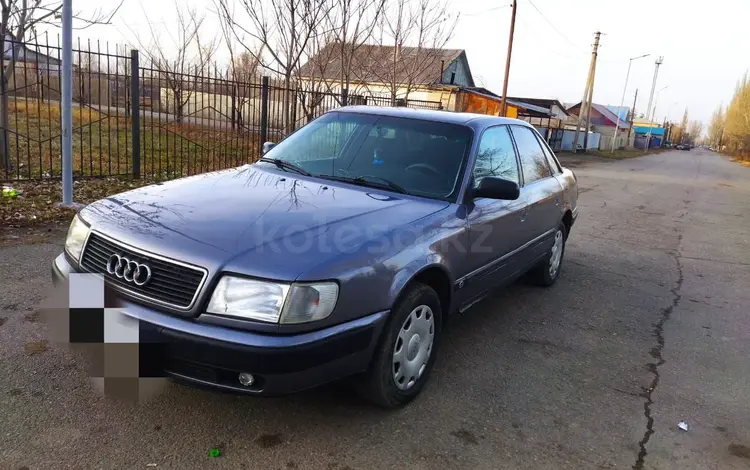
548,270
406,353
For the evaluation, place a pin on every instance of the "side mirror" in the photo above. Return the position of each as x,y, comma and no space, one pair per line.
497,188
267,146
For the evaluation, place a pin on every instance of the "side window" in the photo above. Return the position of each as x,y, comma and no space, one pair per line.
550,157
533,162
496,156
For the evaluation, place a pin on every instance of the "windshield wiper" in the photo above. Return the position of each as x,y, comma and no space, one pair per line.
284,165
367,180
390,184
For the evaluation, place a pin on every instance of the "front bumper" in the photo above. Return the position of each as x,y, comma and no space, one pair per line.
213,356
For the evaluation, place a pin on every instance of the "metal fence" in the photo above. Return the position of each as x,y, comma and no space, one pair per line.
134,119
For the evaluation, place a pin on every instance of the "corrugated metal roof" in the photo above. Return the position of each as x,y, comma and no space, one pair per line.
623,111
607,113
544,102
610,115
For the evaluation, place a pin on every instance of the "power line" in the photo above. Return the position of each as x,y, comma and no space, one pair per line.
477,13
557,30
550,50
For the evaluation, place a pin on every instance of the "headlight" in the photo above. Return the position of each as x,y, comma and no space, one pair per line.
248,298
77,233
271,301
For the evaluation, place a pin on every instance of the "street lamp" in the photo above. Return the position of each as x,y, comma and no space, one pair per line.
653,116
622,101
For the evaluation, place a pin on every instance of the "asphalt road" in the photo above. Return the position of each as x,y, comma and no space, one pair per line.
648,325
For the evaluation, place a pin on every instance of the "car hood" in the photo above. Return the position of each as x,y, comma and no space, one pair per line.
253,220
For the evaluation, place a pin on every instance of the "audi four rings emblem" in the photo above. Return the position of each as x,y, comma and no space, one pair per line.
129,270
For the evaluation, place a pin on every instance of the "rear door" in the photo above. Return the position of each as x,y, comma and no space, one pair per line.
541,191
569,188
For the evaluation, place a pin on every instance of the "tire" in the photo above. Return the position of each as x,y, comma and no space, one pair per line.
392,384
543,273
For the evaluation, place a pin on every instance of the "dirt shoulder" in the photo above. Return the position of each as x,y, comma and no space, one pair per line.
575,160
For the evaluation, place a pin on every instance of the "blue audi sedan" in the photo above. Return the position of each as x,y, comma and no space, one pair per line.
341,252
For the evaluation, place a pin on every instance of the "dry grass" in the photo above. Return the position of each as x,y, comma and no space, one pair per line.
37,202
102,144
33,109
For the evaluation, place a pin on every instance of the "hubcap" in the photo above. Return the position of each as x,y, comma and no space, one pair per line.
413,347
556,256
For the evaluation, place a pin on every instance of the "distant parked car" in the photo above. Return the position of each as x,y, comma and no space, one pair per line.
683,147
342,251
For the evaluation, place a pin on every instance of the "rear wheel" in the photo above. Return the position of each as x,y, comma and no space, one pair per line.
548,270
406,353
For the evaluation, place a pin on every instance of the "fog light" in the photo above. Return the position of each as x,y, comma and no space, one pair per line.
246,379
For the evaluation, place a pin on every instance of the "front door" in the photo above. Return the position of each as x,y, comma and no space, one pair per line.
494,235
542,192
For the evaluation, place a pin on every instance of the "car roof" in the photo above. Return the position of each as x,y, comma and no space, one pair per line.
476,120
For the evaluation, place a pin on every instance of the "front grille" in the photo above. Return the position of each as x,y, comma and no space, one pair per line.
171,283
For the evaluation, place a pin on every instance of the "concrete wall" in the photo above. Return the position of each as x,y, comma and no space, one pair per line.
380,90
211,106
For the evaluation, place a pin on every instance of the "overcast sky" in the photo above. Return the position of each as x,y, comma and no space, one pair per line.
706,46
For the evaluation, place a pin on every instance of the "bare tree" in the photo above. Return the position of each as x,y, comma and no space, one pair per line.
679,135
85,64
243,69
245,66
332,51
18,20
716,128
192,52
350,25
312,79
694,131
425,24
283,27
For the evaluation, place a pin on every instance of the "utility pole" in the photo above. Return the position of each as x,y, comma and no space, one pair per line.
651,98
587,93
67,103
632,118
653,114
622,102
503,103
588,108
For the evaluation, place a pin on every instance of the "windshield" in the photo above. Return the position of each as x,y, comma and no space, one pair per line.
419,157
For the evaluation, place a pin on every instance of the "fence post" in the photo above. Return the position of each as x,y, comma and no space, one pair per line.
263,114
344,96
135,113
